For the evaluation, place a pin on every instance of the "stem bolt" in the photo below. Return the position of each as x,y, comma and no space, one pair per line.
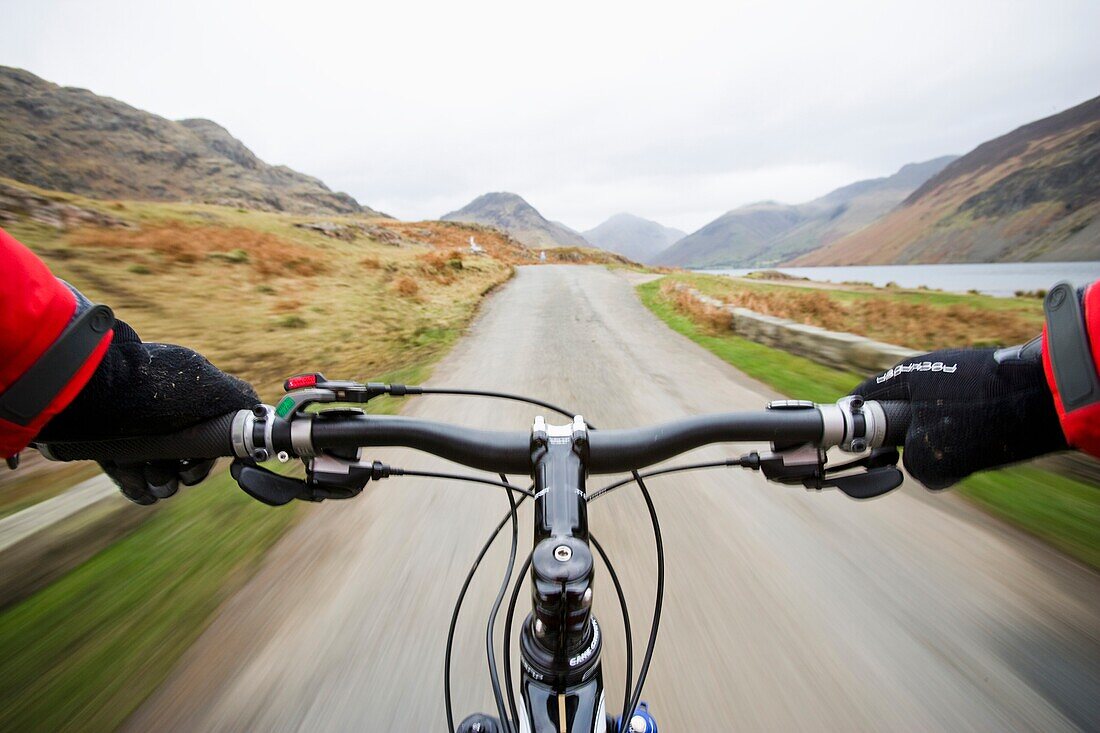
260,455
562,553
859,445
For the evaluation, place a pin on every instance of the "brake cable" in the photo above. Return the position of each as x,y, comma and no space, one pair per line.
512,488
490,627
458,606
730,463
495,395
658,602
626,623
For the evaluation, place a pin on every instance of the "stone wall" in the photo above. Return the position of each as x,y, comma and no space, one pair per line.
831,348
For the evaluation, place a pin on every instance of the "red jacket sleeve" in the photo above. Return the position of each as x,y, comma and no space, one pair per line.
1081,426
35,308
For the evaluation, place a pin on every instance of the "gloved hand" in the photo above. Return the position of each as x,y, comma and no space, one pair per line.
149,389
972,409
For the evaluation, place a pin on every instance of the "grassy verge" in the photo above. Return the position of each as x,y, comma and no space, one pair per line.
785,372
918,319
82,653
1060,510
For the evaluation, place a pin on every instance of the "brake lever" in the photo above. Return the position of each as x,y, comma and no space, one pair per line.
266,486
327,477
806,465
867,485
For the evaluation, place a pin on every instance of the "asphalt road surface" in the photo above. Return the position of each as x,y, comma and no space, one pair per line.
785,610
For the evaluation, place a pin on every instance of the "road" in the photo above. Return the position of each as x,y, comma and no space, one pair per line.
785,610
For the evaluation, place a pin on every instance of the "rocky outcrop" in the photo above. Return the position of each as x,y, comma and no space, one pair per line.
352,232
19,203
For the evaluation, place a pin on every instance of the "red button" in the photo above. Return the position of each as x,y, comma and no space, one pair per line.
302,380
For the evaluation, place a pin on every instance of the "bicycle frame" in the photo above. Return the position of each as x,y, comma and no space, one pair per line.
560,640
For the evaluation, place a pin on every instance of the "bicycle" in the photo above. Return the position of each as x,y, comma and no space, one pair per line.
561,680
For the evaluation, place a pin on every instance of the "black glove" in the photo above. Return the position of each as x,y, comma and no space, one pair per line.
972,409
149,389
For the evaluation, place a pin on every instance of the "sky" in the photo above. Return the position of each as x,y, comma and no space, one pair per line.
676,112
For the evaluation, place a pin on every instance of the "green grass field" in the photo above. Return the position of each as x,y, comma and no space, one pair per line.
1060,510
82,653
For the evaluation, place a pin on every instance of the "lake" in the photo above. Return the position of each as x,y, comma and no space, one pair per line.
998,278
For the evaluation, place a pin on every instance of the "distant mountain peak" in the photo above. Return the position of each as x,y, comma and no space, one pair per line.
509,212
637,238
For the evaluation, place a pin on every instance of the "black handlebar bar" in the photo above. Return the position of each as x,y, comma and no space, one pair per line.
610,451
487,450
616,451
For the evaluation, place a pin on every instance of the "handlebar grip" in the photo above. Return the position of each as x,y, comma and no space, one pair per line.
898,414
211,439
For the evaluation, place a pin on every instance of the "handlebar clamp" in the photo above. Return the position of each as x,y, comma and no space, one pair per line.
853,424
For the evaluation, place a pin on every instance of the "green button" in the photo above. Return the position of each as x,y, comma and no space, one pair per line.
285,406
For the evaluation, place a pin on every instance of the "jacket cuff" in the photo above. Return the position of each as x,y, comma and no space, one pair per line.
36,309
1081,424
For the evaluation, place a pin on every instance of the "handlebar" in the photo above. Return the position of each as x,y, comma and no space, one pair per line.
610,451
211,439
898,416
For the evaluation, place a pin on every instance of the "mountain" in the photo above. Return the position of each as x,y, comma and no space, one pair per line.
637,238
851,208
769,233
75,141
510,213
735,238
1033,194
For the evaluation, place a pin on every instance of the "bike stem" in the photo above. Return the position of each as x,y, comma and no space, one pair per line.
560,641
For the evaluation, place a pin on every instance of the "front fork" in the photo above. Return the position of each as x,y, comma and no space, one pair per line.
640,722
579,708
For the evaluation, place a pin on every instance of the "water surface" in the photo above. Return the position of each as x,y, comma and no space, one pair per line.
998,278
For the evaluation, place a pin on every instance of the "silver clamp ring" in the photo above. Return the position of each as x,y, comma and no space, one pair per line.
301,435
876,423
241,433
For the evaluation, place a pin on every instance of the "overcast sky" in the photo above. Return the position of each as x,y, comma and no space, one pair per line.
676,112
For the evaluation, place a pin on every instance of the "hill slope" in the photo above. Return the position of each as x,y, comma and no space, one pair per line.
75,141
637,238
849,209
1033,194
766,234
735,238
510,213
